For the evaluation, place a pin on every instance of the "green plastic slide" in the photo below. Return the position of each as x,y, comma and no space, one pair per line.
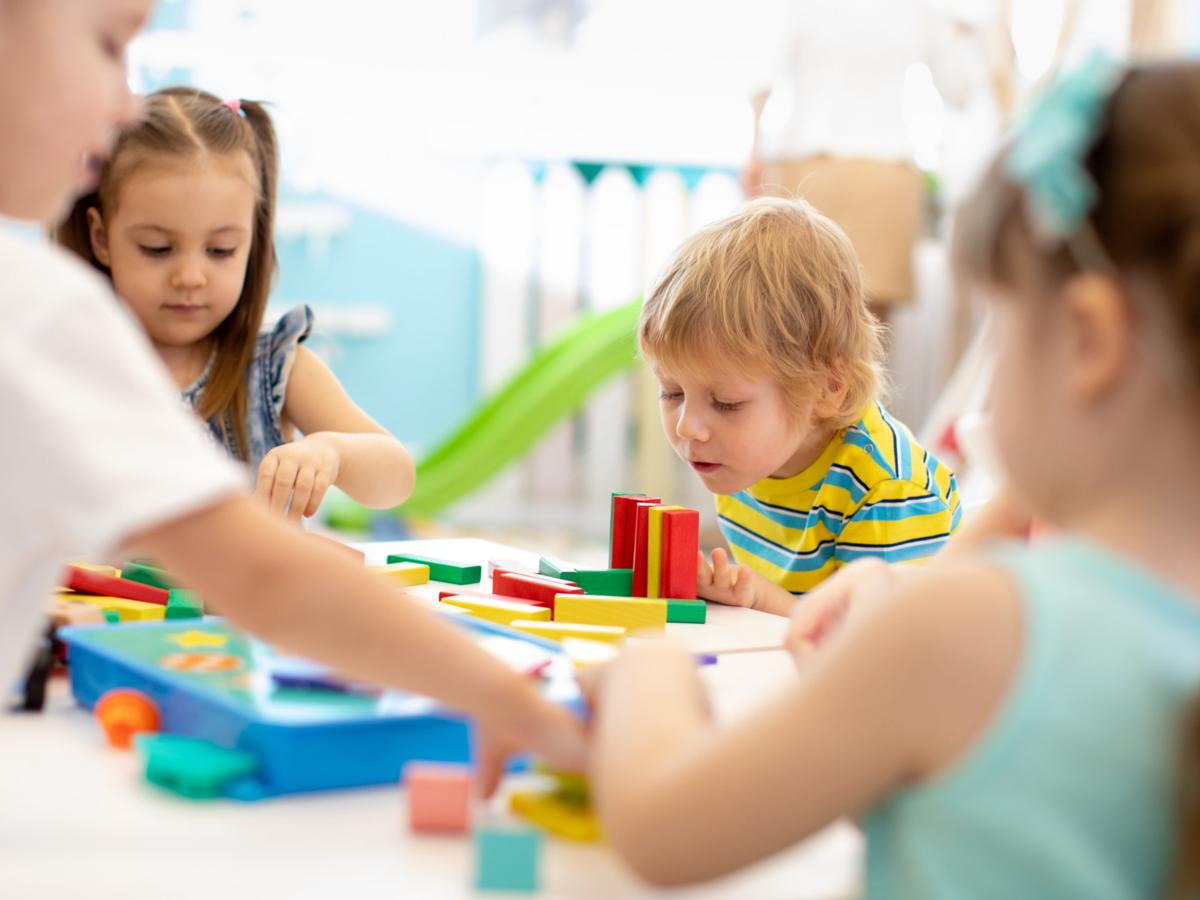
552,386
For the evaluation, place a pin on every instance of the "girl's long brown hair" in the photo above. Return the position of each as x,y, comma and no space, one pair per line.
184,123
1146,166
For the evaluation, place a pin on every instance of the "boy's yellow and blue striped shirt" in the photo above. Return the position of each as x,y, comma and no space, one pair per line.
874,491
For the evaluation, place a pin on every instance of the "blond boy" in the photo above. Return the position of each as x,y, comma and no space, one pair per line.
770,366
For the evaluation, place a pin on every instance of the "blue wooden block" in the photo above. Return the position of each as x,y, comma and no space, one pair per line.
506,858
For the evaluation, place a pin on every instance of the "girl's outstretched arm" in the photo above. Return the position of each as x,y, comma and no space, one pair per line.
900,694
276,582
342,445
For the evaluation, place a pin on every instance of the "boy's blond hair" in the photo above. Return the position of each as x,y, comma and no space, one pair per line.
774,290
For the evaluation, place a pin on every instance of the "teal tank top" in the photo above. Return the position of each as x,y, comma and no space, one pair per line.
1069,792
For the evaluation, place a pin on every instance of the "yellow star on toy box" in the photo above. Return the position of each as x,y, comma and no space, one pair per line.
198,639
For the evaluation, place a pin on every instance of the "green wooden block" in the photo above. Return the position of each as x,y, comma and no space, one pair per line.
147,574
441,569
506,858
691,611
111,616
606,582
183,604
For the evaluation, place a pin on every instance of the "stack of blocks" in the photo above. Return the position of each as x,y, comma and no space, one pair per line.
651,581
139,592
439,802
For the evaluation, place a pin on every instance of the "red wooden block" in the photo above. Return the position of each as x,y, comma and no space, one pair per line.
680,544
532,587
439,797
621,530
500,570
88,582
641,545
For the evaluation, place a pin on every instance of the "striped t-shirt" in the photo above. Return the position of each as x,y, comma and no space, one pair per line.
874,491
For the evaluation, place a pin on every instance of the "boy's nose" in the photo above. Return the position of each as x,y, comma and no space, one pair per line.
690,426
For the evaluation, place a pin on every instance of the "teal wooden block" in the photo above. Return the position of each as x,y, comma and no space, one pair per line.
693,612
183,604
441,569
506,858
555,568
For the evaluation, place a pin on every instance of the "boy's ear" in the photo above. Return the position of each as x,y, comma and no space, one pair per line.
98,236
833,393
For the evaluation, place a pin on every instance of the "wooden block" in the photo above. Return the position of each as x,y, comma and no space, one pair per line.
111,571
87,581
551,567
694,612
403,574
144,573
557,631
654,557
680,547
441,569
632,613
620,530
556,814
64,612
184,605
609,582
127,610
641,514
439,797
506,858
500,611
474,595
533,588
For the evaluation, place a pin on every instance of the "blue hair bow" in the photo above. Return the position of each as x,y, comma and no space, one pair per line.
1052,142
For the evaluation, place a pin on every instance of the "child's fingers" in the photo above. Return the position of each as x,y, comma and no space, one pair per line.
281,491
743,586
720,563
302,495
266,477
320,486
704,574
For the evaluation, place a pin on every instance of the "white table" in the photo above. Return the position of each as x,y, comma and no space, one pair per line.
77,820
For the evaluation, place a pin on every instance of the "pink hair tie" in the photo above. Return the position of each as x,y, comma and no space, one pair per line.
235,107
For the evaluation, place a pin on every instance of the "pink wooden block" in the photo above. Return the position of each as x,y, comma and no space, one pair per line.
439,797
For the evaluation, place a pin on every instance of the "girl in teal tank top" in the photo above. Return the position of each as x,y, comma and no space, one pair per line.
1004,724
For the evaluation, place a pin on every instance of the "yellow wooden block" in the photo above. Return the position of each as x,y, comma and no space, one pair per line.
500,611
654,549
128,610
557,631
403,574
632,613
103,570
556,815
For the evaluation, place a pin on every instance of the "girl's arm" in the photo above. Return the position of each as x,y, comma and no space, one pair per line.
899,695
277,583
342,445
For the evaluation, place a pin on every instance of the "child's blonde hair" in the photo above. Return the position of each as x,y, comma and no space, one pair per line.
185,123
774,290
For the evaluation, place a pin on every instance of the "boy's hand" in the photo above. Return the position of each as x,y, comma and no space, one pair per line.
725,582
842,597
303,471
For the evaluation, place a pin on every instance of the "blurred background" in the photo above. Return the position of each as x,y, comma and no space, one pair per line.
475,193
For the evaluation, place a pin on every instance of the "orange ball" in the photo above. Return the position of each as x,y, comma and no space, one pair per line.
124,712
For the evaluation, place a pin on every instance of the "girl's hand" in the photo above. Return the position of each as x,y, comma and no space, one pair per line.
302,470
723,582
552,733
844,596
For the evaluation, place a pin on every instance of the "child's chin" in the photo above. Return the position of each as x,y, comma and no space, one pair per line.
723,482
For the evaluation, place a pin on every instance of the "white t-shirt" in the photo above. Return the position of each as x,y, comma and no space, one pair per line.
94,442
